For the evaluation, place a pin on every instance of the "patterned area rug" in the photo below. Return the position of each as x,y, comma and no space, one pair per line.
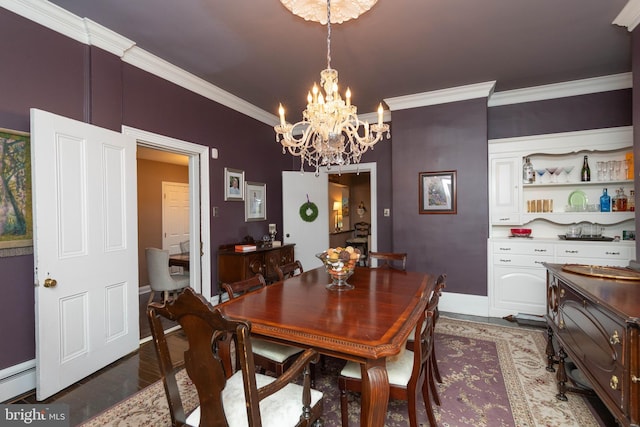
492,376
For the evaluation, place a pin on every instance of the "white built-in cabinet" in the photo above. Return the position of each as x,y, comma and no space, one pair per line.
516,276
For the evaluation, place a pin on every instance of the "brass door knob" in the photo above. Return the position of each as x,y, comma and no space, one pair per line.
50,283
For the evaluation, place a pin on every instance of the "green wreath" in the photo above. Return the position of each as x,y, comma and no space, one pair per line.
308,211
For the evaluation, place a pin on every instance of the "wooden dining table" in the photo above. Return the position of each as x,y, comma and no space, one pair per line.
365,324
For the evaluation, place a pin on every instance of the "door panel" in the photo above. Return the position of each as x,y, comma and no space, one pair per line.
85,239
175,215
310,237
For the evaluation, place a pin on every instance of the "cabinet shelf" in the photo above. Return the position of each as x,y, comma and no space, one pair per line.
579,184
605,218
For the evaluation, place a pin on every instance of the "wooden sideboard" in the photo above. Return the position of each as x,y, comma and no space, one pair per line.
596,323
234,266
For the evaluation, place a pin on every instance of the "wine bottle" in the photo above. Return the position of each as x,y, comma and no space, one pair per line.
528,173
585,174
605,202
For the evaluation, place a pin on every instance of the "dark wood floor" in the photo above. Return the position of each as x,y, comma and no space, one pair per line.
130,374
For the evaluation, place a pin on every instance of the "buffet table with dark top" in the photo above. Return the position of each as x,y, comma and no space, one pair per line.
595,321
234,266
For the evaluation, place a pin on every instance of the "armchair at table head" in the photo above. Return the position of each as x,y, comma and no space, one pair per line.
397,260
160,278
228,395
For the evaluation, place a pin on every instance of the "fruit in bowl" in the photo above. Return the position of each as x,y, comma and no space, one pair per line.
521,232
340,263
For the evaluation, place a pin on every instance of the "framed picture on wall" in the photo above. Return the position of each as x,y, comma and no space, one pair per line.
437,192
16,237
233,184
255,202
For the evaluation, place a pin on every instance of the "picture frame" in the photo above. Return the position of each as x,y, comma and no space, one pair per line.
16,219
233,184
437,192
255,202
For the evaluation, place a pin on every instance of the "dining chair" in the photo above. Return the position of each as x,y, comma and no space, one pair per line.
394,260
270,356
408,372
435,371
160,278
360,240
291,269
229,395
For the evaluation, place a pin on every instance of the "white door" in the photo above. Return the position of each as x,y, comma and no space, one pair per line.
85,239
310,237
175,215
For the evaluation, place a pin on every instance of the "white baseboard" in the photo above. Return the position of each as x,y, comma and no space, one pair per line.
473,305
18,379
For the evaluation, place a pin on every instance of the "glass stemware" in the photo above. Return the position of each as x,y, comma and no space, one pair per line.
540,173
552,172
567,171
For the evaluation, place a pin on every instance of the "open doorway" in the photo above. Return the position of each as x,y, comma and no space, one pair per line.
197,157
350,203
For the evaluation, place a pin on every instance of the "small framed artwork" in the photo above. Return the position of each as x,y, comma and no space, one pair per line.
437,192
255,201
233,184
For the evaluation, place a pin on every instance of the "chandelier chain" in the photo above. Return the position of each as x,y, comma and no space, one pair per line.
329,34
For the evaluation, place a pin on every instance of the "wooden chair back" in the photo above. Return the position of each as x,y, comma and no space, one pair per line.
291,269
241,287
395,260
361,229
208,362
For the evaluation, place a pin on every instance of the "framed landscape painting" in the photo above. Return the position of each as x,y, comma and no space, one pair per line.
437,192
16,226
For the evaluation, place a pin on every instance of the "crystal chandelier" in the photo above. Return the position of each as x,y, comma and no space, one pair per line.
330,132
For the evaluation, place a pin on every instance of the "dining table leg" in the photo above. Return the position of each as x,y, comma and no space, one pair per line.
375,393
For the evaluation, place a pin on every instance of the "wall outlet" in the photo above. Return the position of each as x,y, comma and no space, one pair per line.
387,212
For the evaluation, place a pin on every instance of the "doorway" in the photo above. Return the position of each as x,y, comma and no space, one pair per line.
196,159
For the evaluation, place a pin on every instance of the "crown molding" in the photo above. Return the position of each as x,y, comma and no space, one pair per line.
91,33
629,16
145,61
441,96
561,90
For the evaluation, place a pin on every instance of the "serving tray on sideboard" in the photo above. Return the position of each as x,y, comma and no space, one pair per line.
587,238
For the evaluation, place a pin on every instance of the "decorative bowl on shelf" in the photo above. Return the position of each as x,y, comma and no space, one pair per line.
340,264
521,232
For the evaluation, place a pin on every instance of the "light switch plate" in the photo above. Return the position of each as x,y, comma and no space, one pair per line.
387,212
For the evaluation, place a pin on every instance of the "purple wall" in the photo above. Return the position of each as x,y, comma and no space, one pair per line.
593,111
440,138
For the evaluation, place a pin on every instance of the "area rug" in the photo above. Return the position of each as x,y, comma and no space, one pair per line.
492,376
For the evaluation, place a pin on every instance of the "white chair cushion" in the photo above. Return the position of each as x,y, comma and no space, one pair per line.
278,410
273,351
398,370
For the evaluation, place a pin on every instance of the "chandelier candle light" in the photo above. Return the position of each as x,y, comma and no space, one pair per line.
329,132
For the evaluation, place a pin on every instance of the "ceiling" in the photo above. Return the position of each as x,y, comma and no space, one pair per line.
260,52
